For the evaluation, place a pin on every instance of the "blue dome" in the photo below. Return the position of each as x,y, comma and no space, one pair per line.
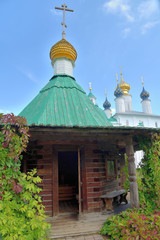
118,92
144,94
106,104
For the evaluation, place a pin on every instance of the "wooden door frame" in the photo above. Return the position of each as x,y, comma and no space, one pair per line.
62,148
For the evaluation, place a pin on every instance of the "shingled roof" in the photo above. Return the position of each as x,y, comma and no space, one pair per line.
62,102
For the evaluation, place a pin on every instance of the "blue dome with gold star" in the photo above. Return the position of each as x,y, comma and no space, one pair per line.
118,92
144,94
106,104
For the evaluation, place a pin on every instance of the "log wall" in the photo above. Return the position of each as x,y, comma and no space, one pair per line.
95,183
41,157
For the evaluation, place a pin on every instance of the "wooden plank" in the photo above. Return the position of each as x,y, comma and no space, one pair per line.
44,171
55,199
79,181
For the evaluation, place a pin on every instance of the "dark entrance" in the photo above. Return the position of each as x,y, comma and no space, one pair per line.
68,181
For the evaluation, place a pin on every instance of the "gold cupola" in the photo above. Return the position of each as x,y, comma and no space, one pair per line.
63,49
124,86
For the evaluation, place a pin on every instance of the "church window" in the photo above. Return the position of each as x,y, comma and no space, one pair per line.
156,124
127,123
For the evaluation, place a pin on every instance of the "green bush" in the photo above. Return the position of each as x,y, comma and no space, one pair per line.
149,174
143,223
133,225
21,212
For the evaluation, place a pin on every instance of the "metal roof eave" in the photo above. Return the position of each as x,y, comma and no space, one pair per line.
93,128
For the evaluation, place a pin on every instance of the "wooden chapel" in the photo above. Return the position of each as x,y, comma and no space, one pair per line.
76,150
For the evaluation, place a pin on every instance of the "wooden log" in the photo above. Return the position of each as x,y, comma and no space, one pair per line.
79,181
134,197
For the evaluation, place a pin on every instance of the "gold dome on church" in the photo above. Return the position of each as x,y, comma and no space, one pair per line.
124,86
63,49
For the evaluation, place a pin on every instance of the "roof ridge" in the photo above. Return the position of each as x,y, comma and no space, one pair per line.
61,87
62,75
55,82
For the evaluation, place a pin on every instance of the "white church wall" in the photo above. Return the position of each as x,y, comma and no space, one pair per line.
146,106
120,106
128,103
138,120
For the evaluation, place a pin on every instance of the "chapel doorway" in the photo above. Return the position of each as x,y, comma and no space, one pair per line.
68,182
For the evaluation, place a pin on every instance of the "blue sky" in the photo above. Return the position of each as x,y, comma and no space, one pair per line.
107,34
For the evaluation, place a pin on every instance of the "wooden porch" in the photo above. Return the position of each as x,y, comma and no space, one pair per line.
69,225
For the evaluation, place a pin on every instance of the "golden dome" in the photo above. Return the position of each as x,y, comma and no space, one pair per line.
63,49
124,86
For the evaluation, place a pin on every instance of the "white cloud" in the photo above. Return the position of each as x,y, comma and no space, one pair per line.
119,6
148,26
125,32
148,8
56,12
28,74
31,77
143,14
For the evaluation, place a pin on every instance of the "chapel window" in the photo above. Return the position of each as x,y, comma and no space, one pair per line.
110,168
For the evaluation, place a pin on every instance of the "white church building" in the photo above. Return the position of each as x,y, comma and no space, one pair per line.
125,115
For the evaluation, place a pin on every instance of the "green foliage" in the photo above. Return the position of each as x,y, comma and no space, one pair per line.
143,223
133,225
149,174
21,212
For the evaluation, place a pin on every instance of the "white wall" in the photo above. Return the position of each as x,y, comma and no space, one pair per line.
128,103
133,120
120,107
63,66
146,106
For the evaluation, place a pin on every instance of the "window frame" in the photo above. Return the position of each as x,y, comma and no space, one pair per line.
108,176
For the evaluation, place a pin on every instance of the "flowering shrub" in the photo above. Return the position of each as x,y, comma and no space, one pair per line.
133,225
145,222
21,212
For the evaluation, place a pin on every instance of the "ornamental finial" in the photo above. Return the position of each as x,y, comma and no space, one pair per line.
90,88
117,77
121,74
142,81
64,8
105,92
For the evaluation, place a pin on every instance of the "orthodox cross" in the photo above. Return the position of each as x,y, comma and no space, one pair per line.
64,8
105,92
142,81
90,87
121,74
117,77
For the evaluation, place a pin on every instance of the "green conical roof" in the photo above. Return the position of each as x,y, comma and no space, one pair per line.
91,95
62,102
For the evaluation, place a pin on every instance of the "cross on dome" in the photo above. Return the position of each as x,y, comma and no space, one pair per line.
142,81
123,85
90,87
121,74
117,77
144,94
64,8
106,104
105,92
